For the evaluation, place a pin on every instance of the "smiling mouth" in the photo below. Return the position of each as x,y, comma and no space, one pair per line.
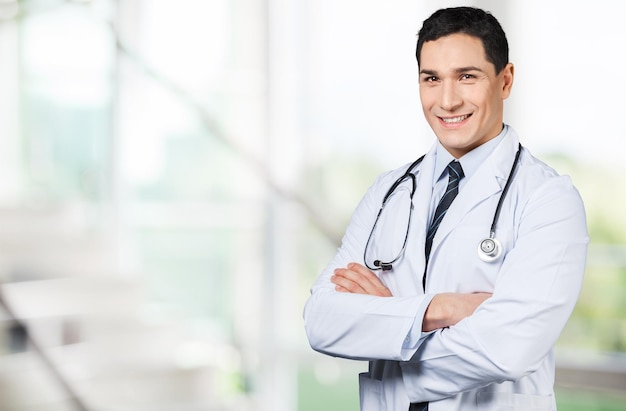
455,120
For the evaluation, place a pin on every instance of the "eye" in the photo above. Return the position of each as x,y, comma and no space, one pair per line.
429,79
467,76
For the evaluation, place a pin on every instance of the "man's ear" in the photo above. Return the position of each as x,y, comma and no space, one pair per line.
508,73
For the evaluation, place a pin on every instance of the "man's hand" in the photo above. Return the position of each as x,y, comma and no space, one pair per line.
356,278
447,309
444,310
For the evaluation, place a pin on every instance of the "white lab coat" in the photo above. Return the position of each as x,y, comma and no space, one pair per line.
500,358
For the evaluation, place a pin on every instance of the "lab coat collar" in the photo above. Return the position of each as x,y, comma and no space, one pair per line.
470,161
488,180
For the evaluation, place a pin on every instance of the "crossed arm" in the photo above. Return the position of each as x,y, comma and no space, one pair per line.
444,310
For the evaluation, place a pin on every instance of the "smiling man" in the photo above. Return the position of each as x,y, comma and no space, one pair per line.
462,92
458,272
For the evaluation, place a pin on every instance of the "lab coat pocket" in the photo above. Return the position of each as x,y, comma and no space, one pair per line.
507,401
371,393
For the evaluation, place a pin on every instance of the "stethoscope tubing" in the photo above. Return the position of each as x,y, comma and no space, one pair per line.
489,249
385,266
505,190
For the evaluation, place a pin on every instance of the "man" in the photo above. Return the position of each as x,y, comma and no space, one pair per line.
462,311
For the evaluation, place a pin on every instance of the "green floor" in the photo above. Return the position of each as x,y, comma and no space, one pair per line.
313,396
343,395
570,400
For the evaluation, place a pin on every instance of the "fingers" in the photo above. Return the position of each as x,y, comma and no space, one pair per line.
356,278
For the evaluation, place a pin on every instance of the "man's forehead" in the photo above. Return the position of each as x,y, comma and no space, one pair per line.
455,52
461,40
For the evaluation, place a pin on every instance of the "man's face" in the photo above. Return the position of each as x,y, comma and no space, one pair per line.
462,96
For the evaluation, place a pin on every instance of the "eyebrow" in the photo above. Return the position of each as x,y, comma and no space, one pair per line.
456,70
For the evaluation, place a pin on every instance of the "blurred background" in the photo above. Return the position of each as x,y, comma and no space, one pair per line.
174,175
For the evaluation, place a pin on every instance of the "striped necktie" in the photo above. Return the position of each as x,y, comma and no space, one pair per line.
455,174
421,406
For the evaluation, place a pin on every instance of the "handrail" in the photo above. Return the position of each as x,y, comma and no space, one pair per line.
52,368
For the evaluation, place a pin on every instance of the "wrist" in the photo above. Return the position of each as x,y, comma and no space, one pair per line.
438,313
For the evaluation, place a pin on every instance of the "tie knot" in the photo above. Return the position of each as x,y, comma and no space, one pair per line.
455,170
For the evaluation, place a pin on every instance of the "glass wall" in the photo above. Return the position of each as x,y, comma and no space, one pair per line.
174,175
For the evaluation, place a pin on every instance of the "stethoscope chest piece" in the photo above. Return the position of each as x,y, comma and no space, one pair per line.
489,249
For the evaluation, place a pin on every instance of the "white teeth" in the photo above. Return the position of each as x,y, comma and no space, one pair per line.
454,119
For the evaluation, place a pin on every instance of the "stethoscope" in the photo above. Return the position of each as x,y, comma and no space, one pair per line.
489,249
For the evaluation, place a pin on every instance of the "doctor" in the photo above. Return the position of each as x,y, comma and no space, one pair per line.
444,324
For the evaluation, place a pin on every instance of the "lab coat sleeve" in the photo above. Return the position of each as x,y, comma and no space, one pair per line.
510,334
359,326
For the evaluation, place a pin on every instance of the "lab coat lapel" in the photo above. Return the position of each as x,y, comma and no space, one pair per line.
488,180
422,200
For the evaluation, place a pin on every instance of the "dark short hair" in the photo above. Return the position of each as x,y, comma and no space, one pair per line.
467,20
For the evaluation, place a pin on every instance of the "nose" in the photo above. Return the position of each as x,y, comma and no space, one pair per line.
450,96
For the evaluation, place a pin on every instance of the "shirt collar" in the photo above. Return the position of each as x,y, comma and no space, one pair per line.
470,161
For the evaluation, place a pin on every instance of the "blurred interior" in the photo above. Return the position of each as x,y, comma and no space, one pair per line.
174,175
